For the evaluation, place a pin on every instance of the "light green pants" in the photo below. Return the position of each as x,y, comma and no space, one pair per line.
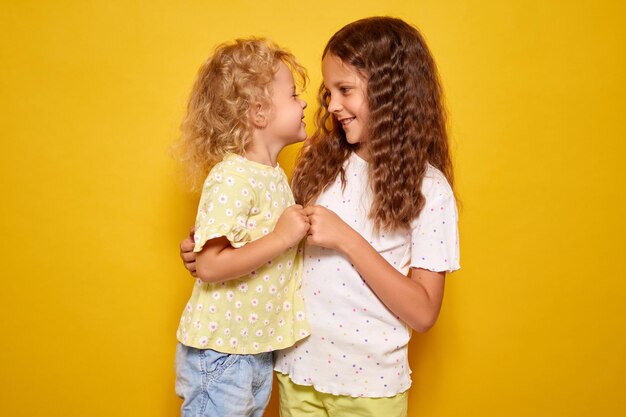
299,400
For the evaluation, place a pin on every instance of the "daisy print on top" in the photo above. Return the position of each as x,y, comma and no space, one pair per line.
260,312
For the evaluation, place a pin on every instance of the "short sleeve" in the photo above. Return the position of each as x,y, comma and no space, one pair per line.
434,234
224,208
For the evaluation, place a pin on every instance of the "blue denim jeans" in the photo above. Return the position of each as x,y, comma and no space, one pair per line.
215,384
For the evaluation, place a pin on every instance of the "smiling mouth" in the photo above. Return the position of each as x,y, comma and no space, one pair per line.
345,122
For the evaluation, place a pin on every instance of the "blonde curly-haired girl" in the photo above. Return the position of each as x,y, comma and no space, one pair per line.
243,109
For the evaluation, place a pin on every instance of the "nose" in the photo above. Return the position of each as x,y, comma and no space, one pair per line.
333,105
303,104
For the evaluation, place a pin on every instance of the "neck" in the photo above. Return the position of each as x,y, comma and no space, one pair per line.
363,152
262,152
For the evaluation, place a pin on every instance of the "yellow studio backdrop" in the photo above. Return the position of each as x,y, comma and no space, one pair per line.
92,94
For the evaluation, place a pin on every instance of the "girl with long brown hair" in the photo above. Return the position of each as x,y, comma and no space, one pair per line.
376,182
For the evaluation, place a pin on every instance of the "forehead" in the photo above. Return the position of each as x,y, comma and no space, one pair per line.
335,70
284,76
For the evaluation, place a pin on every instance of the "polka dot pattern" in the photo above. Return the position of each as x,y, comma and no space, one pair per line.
357,346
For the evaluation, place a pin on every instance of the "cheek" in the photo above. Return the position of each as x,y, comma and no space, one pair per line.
297,113
363,114
363,110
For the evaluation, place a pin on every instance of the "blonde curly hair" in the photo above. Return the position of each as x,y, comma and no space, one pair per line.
236,76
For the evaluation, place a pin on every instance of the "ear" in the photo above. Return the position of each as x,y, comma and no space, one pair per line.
258,114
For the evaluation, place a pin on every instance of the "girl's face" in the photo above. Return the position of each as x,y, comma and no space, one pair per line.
348,97
285,123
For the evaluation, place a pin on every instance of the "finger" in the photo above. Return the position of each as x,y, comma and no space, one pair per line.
296,208
192,231
188,256
308,210
299,210
187,245
191,266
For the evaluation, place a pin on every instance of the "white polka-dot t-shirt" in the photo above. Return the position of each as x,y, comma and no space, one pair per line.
357,346
260,312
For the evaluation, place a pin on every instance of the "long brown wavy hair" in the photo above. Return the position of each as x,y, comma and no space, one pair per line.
407,121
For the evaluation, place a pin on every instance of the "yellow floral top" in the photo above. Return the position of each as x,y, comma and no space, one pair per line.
264,310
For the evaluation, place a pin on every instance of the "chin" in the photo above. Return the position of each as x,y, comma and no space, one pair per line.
297,139
352,138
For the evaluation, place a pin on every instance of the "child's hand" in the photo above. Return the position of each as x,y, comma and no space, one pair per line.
187,254
292,225
327,228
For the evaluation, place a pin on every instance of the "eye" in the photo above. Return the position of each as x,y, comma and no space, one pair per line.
345,90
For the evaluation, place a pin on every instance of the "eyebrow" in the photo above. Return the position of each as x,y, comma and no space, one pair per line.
341,83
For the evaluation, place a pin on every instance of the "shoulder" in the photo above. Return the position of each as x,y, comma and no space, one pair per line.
439,214
435,185
231,177
232,167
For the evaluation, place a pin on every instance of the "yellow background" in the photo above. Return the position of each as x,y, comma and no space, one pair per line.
92,93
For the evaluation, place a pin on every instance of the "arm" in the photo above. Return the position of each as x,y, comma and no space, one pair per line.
219,261
416,299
